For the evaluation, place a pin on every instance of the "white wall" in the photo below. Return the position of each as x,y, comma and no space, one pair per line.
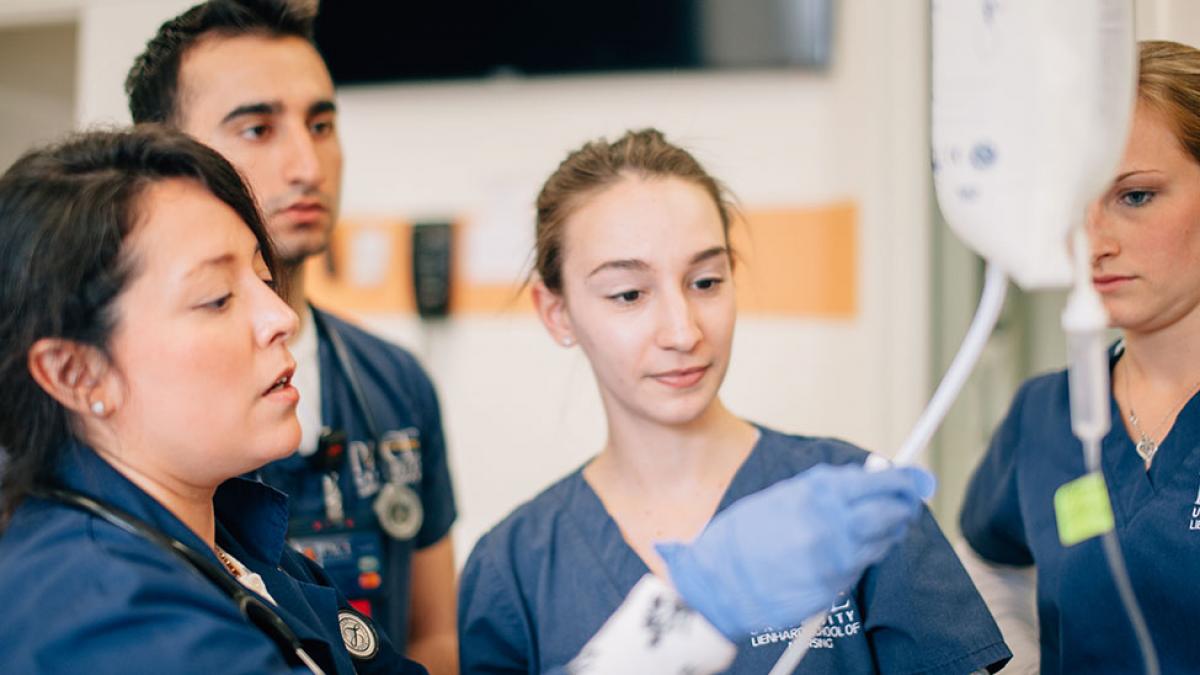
519,411
108,34
111,34
1177,20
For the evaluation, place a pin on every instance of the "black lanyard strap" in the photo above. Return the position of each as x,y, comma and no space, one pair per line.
342,355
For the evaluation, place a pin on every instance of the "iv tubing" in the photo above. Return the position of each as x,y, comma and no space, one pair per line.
995,285
1084,321
794,654
1116,564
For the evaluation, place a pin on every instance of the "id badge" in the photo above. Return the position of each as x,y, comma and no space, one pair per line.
352,558
397,505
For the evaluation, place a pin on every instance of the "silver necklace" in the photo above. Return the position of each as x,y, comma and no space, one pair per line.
1146,445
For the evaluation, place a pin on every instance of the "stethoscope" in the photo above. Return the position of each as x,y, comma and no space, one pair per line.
256,611
396,505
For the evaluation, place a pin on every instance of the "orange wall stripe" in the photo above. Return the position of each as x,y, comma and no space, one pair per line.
331,284
798,262
791,262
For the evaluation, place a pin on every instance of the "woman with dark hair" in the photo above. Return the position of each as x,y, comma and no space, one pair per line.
144,368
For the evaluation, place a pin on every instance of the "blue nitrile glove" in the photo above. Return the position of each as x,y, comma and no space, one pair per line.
779,556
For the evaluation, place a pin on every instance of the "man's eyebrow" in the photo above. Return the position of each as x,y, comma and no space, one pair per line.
322,107
262,108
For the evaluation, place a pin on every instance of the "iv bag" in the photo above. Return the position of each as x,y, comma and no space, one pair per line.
1031,108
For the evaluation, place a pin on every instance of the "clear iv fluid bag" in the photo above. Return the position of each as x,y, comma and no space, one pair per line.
1031,107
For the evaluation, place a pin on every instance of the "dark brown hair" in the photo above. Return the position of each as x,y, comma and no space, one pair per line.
152,84
600,164
65,213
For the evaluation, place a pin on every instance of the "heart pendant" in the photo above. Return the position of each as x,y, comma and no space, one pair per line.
1146,449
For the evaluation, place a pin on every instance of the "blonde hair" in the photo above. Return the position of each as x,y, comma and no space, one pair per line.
1169,81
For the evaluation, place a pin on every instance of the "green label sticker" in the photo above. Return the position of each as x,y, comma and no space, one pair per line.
1082,509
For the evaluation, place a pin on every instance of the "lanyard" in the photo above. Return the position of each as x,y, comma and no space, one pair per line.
342,356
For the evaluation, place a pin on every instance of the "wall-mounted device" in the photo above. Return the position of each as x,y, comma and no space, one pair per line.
432,255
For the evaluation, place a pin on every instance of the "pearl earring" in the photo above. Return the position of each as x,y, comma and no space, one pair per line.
98,407
567,341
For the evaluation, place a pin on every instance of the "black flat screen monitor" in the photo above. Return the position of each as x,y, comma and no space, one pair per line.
399,41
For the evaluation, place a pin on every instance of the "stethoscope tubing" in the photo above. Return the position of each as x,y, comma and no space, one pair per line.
254,610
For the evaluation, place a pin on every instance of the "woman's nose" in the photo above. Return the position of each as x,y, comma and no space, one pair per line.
274,319
678,329
1099,233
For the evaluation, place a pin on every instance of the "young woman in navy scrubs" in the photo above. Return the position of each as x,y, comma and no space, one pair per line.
1145,239
144,367
634,266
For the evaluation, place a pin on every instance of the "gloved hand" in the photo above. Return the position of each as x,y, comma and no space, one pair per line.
779,556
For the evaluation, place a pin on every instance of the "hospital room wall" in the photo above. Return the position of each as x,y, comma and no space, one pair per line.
520,411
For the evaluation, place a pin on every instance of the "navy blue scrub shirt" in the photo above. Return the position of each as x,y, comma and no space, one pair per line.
82,596
541,583
1008,518
370,567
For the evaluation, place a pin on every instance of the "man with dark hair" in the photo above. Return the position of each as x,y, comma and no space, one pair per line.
370,490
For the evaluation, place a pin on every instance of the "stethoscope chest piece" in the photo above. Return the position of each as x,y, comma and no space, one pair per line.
399,511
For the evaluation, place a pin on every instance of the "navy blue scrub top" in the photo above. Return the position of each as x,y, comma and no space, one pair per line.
82,596
368,566
1008,518
541,583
